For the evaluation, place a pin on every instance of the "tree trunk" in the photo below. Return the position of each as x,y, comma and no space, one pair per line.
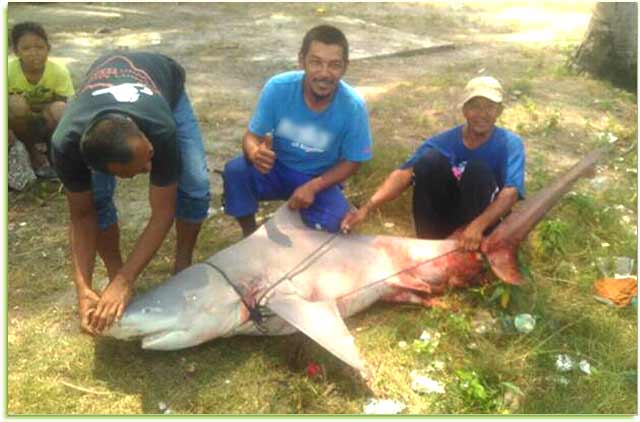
610,47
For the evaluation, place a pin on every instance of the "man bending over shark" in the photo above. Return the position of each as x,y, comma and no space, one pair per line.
309,132
131,116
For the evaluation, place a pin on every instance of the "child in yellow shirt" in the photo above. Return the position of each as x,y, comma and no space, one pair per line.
38,91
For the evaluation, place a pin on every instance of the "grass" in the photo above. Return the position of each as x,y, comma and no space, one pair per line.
53,369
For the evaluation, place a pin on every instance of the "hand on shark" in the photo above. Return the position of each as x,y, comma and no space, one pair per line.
87,301
353,218
110,307
471,237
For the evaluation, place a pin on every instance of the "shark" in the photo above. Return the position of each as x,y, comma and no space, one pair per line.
286,277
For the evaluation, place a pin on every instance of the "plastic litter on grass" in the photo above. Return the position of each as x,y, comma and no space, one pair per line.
585,367
425,385
383,407
564,363
524,323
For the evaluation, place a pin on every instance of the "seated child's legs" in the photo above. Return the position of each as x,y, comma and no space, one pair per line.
28,127
52,114
19,115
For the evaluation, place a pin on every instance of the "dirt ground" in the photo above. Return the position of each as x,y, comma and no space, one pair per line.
229,50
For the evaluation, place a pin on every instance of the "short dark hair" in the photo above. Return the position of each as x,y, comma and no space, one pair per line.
325,34
24,28
105,141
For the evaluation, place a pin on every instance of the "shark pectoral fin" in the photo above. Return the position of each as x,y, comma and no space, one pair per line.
321,321
169,340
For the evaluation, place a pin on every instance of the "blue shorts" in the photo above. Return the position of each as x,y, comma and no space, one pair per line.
244,187
193,181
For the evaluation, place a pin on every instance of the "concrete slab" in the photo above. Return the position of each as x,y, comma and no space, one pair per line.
366,39
255,40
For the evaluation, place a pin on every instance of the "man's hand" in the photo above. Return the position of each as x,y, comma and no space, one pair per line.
302,197
87,302
471,237
353,218
114,299
263,156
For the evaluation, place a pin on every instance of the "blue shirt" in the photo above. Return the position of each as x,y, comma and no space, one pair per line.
308,141
503,153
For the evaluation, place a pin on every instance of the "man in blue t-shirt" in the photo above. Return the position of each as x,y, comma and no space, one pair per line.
465,178
309,133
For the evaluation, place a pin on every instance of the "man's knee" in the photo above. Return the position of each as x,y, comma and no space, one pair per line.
327,211
236,168
478,167
478,173
194,193
192,209
326,220
431,163
103,187
236,173
106,212
240,192
194,180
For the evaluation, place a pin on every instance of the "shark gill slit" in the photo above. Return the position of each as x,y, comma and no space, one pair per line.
255,314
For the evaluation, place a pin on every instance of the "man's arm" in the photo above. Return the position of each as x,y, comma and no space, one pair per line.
472,235
118,293
258,150
83,232
305,194
396,183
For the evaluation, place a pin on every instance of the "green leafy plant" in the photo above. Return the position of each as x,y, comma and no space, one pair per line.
458,325
501,295
552,235
427,343
474,390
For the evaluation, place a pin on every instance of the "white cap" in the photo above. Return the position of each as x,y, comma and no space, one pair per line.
483,86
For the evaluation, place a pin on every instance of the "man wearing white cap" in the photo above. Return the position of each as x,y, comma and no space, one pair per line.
465,178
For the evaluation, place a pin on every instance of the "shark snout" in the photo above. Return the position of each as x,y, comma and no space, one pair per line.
142,321
193,306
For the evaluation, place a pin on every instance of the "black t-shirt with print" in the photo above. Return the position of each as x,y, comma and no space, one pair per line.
145,87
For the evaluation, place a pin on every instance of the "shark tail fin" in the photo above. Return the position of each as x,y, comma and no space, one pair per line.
503,260
501,246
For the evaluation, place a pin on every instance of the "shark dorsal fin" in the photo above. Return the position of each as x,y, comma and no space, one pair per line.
321,321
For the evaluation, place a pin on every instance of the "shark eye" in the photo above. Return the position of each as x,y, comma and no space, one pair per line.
151,309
